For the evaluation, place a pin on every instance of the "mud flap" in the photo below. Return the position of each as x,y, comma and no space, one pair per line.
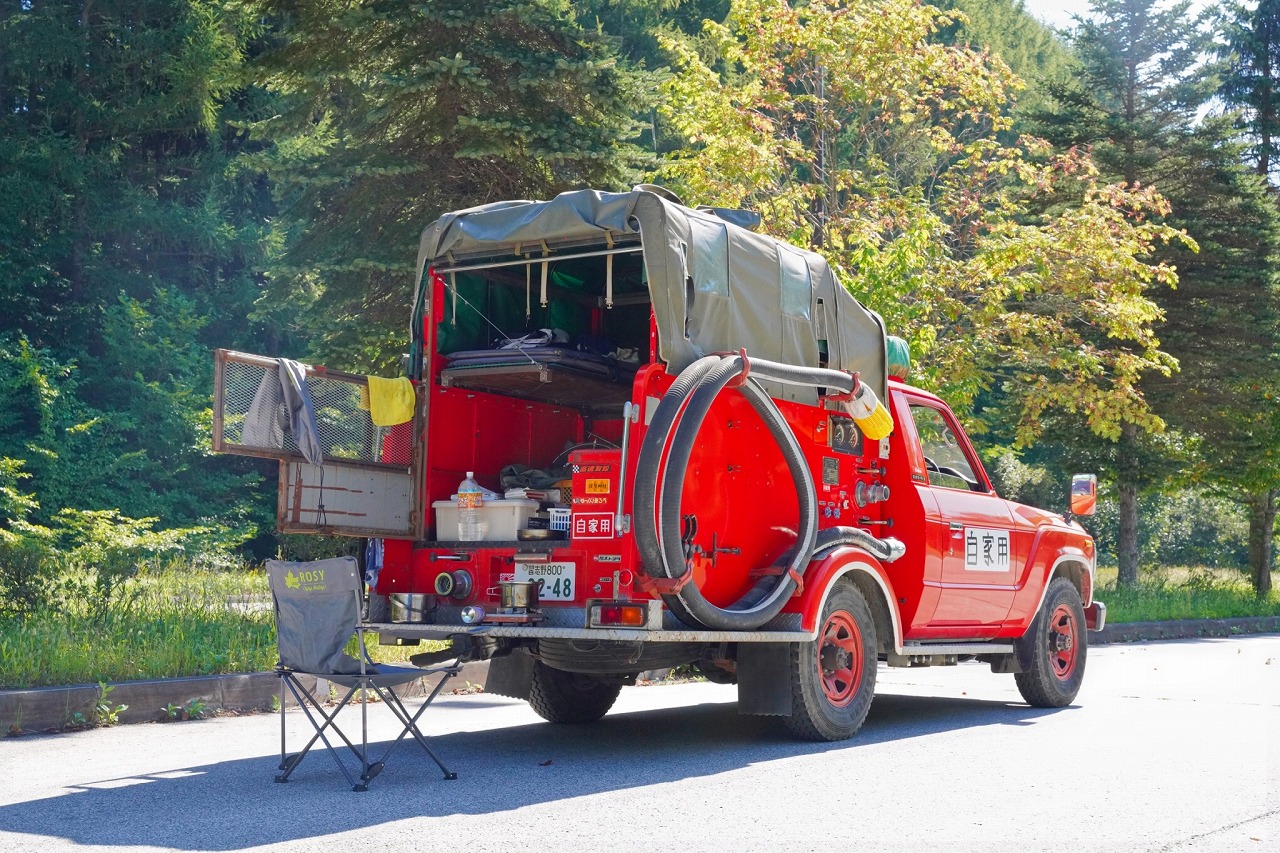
764,679
510,674
1003,664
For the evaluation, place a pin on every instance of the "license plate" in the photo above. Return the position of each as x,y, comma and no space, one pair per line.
555,580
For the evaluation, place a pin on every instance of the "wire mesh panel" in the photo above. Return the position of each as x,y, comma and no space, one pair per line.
250,417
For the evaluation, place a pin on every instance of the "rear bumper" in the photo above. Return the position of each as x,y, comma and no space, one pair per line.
1095,616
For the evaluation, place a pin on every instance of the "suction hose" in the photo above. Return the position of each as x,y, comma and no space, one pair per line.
885,550
672,434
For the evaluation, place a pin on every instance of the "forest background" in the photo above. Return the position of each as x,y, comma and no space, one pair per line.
1077,230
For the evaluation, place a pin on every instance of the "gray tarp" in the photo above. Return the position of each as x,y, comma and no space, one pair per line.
715,286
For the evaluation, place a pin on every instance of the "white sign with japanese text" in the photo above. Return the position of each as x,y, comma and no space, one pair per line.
592,525
986,550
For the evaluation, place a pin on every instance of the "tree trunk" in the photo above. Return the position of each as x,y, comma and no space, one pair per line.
1262,521
1127,486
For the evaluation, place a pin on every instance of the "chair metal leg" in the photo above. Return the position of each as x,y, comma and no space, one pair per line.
323,721
282,743
410,723
307,702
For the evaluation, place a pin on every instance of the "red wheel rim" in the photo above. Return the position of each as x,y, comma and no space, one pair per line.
840,658
1064,652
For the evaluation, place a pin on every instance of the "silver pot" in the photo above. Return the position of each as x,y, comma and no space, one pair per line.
412,607
518,595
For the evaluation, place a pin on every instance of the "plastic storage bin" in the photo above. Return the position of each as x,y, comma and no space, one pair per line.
559,518
499,520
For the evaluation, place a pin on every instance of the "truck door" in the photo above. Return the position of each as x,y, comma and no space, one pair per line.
361,479
970,527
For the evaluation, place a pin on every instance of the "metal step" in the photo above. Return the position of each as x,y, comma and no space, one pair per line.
945,648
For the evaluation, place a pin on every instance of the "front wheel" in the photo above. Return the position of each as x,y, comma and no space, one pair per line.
1052,653
570,697
833,679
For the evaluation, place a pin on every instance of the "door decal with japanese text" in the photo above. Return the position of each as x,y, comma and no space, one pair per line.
986,550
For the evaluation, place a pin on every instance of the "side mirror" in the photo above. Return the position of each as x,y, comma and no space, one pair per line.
1084,494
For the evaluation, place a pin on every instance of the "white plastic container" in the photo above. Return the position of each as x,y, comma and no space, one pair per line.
499,520
559,518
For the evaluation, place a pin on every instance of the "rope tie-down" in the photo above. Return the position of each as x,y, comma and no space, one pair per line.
672,434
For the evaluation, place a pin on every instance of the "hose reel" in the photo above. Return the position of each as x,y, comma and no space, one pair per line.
662,534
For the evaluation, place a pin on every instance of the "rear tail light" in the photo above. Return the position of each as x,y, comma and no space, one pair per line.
624,614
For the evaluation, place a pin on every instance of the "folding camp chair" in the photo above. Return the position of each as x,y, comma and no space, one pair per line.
317,609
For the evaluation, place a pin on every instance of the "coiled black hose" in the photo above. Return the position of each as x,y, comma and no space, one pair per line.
672,432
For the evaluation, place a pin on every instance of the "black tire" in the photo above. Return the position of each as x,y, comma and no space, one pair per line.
833,679
570,697
1052,653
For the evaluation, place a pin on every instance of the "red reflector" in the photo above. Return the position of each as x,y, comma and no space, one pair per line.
629,615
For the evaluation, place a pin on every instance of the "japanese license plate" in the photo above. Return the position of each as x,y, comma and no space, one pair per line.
556,581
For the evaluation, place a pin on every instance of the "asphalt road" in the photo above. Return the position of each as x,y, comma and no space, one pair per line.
1172,746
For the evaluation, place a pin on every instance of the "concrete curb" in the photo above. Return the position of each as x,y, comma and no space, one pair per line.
46,709
53,708
1185,629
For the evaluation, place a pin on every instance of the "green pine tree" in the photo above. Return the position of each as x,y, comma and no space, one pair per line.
1250,49
126,241
395,113
1143,81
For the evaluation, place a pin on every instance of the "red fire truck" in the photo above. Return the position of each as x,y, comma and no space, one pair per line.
695,454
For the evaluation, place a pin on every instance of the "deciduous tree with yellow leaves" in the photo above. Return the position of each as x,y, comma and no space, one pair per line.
855,133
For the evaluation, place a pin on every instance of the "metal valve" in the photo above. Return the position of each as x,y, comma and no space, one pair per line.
873,494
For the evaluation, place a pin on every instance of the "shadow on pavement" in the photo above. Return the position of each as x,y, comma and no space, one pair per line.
234,804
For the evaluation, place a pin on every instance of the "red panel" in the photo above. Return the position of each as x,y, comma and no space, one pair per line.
906,508
397,444
396,574
482,432
822,574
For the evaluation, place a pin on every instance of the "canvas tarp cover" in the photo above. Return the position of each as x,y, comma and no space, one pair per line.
715,286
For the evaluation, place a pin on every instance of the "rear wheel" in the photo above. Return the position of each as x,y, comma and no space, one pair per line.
833,679
1052,654
570,697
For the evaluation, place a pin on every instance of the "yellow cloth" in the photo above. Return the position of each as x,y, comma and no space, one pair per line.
390,401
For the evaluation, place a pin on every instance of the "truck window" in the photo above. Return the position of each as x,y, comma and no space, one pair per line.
944,457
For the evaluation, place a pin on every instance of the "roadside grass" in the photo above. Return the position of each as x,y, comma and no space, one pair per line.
178,619
1183,592
168,621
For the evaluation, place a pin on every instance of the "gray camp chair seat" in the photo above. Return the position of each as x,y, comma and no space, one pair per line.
317,608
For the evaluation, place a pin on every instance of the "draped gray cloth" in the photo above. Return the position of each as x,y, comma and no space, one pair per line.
283,403
302,412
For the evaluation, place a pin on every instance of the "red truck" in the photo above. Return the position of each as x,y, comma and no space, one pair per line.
696,455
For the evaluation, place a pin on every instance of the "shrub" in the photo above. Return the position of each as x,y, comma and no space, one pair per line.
1185,528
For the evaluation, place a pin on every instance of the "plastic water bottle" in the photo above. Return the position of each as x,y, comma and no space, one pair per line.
470,499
